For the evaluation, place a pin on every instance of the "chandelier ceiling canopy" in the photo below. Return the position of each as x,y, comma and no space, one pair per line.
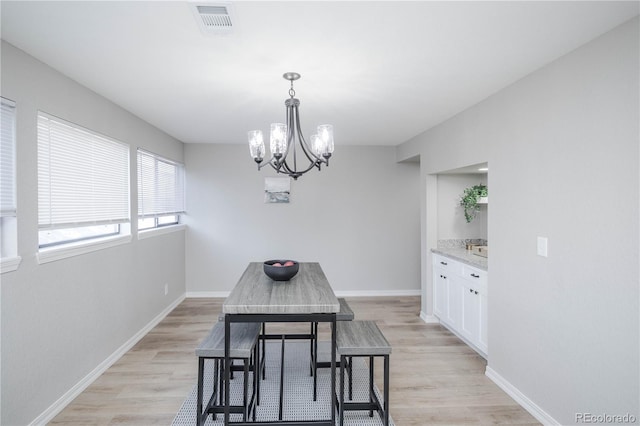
286,141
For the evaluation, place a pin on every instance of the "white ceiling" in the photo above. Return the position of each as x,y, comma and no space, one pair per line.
381,72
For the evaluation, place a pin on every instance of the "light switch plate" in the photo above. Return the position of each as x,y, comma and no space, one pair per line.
542,246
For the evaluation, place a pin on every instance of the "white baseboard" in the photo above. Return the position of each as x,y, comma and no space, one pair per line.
200,294
533,409
429,319
363,293
377,293
47,415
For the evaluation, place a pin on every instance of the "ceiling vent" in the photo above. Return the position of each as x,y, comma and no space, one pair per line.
214,18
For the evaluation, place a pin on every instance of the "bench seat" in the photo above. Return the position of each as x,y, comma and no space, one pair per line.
363,339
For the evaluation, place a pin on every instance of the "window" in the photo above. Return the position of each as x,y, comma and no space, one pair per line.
160,191
8,226
83,184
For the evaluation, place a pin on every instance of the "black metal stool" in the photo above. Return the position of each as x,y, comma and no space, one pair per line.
243,346
363,339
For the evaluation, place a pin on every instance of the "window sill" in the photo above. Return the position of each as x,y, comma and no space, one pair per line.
9,264
149,233
58,253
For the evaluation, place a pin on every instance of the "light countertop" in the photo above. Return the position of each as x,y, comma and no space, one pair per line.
463,255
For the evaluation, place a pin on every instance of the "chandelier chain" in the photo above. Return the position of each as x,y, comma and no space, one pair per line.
292,92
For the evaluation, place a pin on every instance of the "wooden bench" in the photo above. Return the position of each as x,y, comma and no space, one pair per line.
363,339
243,346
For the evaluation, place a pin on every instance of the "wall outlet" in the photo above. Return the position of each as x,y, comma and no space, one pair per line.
542,246
166,289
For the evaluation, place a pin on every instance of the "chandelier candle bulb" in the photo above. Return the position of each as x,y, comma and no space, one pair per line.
325,131
316,145
278,138
256,145
286,141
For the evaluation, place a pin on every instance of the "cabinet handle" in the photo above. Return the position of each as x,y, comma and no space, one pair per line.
476,292
475,276
444,263
470,290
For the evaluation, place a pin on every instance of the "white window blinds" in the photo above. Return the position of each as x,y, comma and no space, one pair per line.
7,158
83,177
160,185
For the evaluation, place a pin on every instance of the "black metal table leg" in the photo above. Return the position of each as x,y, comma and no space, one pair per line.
386,390
333,367
371,384
350,372
281,404
227,366
200,385
341,398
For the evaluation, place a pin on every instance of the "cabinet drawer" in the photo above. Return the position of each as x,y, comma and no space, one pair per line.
476,286
474,274
446,264
441,261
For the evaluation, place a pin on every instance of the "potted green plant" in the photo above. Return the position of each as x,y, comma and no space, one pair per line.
470,200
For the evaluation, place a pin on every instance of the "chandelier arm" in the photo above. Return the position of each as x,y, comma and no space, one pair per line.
293,171
296,172
293,116
276,168
292,126
271,162
289,134
303,143
264,163
313,162
290,141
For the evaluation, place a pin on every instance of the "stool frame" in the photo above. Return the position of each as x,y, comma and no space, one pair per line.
215,404
374,403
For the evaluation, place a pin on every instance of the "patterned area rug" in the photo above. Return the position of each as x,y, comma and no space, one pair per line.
298,389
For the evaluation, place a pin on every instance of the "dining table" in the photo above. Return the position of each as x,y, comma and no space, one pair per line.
307,297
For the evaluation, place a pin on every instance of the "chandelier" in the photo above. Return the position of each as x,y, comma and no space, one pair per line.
286,139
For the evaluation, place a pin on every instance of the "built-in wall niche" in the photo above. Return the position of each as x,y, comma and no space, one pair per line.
451,221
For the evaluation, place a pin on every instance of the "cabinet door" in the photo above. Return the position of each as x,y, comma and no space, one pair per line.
470,325
440,296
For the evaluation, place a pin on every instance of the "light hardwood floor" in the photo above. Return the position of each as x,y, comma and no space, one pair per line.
435,378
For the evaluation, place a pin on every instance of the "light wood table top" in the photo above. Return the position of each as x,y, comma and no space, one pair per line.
308,292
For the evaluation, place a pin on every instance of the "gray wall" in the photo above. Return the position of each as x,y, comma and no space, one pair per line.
62,319
360,218
562,145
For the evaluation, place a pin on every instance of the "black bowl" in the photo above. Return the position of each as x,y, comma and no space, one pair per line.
280,273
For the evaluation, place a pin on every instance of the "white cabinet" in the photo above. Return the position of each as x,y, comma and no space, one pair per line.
460,300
